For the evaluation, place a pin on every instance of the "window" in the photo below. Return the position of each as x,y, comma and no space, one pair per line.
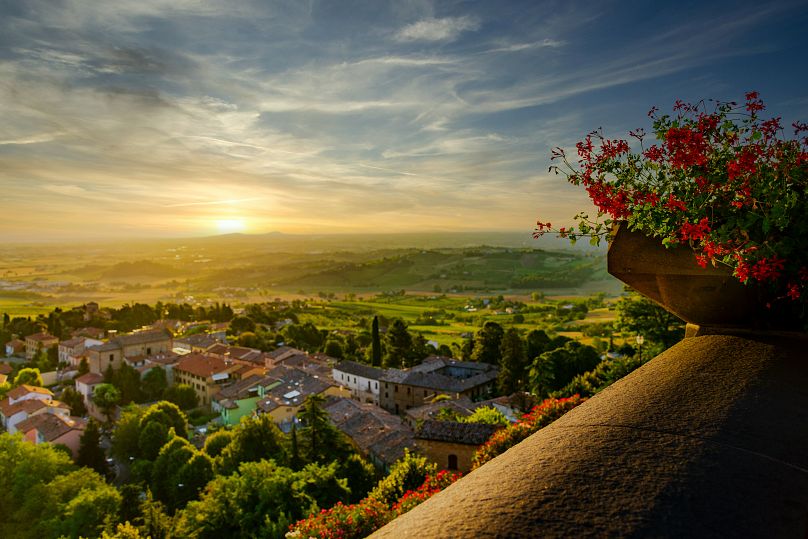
112,357
377,385
425,393
452,462
408,391
396,389
148,351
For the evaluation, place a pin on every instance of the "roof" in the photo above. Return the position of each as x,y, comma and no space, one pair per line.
143,337
202,365
295,383
29,406
444,374
5,368
164,358
106,347
242,389
71,343
25,389
42,337
90,378
282,352
16,343
372,429
200,340
359,369
462,406
51,426
457,433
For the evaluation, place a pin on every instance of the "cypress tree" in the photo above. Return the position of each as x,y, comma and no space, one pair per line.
376,343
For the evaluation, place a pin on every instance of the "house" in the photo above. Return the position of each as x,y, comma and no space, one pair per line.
283,401
379,435
277,356
37,342
361,379
462,407
54,429
25,401
452,445
15,347
90,310
238,354
401,390
89,331
5,372
206,374
85,385
167,360
195,343
71,350
135,344
240,398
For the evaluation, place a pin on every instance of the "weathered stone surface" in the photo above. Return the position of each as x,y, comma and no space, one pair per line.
709,439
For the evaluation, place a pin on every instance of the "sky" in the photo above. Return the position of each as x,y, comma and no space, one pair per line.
173,118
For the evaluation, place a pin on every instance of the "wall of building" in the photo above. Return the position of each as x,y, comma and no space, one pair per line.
438,452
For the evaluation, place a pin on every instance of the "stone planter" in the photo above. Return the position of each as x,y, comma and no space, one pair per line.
709,296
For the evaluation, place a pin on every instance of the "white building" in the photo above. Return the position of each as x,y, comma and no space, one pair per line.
361,379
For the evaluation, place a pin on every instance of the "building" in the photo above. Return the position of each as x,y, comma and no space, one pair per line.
195,343
166,360
5,372
238,354
379,435
15,347
54,429
361,379
239,399
85,385
401,390
142,343
452,445
71,350
37,342
283,401
276,357
205,373
24,401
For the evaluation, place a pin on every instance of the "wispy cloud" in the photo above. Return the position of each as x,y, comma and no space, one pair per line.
446,29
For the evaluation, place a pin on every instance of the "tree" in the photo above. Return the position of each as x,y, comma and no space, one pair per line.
154,384
399,344
407,473
333,348
488,415
316,422
43,494
90,453
169,415
376,344
254,438
513,363
242,324
487,343
183,396
638,315
84,367
179,473
107,397
127,380
537,342
28,376
75,401
553,370
126,436
260,500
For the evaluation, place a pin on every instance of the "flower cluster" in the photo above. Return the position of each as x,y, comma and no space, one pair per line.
718,178
540,416
361,519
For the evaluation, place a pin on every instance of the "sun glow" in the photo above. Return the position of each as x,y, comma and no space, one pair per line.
229,226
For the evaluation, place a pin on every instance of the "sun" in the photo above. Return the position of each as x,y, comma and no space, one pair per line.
229,226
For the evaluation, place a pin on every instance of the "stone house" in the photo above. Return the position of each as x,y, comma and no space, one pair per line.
401,390
452,445
54,429
25,401
205,373
142,343
15,347
361,379
38,341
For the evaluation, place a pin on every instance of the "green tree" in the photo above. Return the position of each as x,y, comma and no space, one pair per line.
488,415
538,342
254,438
553,370
180,472
216,443
333,348
75,401
487,344
183,396
242,324
154,384
169,415
513,363
84,367
638,315
28,376
316,428
399,345
407,473
126,436
376,343
43,494
127,380
107,397
90,453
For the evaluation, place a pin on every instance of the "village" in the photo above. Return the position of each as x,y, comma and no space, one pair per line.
382,411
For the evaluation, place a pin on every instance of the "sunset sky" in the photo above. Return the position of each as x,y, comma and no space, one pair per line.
187,117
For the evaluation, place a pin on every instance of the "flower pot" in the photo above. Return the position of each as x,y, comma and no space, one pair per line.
708,296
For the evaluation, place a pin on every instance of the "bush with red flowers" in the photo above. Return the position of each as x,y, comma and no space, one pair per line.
718,178
540,416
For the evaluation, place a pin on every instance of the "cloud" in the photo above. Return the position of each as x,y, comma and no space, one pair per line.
446,29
